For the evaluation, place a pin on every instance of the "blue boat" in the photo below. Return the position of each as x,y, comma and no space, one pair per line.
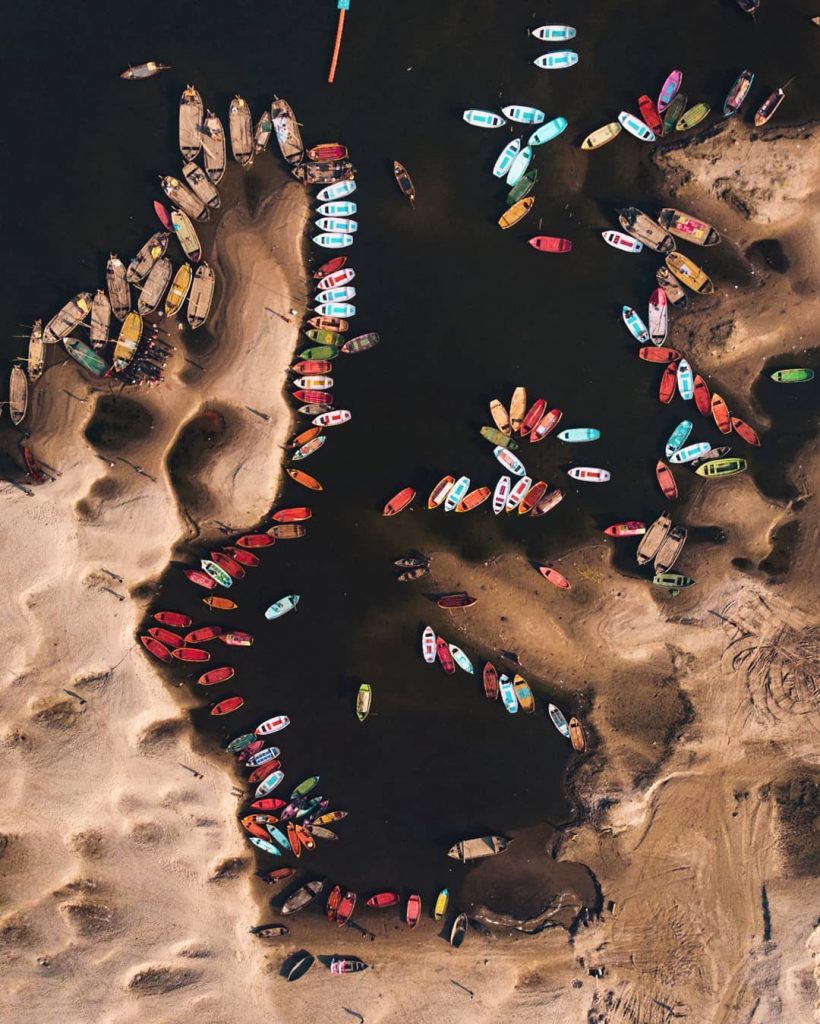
578,434
483,118
279,836
456,493
263,844
282,607
341,225
332,240
344,209
344,310
336,294
636,327
506,157
691,452
555,61
268,785
505,688
558,720
524,115
461,659
635,126
268,754
678,437
337,191
551,130
519,166
686,382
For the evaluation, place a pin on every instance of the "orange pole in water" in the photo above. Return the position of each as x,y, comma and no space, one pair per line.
339,30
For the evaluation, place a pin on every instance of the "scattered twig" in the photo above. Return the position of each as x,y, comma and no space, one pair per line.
458,984
71,693
193,363
193,771
354,1013
119,597
72,395
113,575
256,412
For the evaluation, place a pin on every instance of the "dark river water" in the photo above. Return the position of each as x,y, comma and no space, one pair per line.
465,312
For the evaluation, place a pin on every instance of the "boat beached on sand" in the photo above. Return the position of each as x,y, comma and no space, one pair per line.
474,849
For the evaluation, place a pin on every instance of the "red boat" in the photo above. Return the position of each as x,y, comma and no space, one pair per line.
251,749
164,216
333,900
307,366
413,912
231,567
444,656
166,637
269,803
666,481
237,638
327,151
243,557
225,707
255,540
399,501
33,467
537,410
322,398
742,429
548,502
190,654
554,577
346,908
669,383
383,899
649,114
277,875
216,675
653,354
703,400
173,619
460,600
546,426
532,497
305,838
264,770
473,499
631,528
721,414
156,648
201,636
548,243
330,267
292,515
489,677
293,839
202,579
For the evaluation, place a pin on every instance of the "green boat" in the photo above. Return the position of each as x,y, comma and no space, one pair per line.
794,376
495,437
319,352
241,741
325,337
216,572
522,188
692,117
674,112
722,467
85,356
305,787
577,435
363,701
672,580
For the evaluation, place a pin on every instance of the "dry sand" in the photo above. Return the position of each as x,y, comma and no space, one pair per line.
698,799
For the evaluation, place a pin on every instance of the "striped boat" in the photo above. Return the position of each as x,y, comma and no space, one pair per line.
524,115
330,240
635,126
483,118
556,60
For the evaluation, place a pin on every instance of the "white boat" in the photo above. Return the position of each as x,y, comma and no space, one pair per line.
517,494
321,382
500,494
337,191
332,240
200,296
509,461
483,118
271,725
589,474
519,166
658,316
345,310
428,645
691,452
506,157
618,240
201,185
213,145
546,133
507,693
456,493
461,659
686,381
524,115
282,607
337,209
336,295
556,60
634,324
337,224
336,279
472,849
63,322
635,126
559,720
334,418
553,33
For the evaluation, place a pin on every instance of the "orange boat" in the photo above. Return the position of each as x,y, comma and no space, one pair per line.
532,497
292,515
305,838
666,481
293,839
473,499
554,577
399,501
413,912
333,901
346,908
190,654
721,414
304,437
253,827
742,429
255,540
156,648
243,557
165,636
277,875
658,355
576,735
669,384
703,400
305,479
216,675
440,491
201,636
176,619
223,604
288,531
225,707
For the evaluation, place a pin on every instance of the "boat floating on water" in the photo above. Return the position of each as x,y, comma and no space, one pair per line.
474,849
553,33
483,118
692,117
523,115
190,123
556,60
737,94
589,474
635,126
669,90
646,230
546,133
601,136
134,72
240,125
626,243
405,182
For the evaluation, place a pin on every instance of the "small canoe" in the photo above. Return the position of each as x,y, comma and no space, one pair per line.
672,580
635,126
458,931
201,579
18,395
515,213
532,497
678,437
689,273
428,645
738,93
517,494
768,107
721,414
190,122
649,113
675,292
496,437
690,452
550,243
99,331
456,493
363,701
183,198
796,375
282,607
554,577
501,494
337,278
533,417
557,60
703,399
687,227
272,725
666,480
558,720
190,654
618,240
399,502
327,151
230,565
473,499
483,118
118,290
201,295
442,901
255,540
505,158
523,694
237,638
722,467
500,416
154,287
507,693
523,115
692,117
576,735
636,327
579,435
383,899
440,491
553,33
412,912
461,659
173,619
459,600
631,528
669,384
225,707
659,355
305,479
203,635
509,461
37,349
216,675
601,136
547,132
153,646
489,679
658,316
523,188
331,240
405,182
146,70
549,421
669,90
518,169
444,656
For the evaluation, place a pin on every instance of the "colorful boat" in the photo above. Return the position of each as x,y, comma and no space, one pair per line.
440,907
523,188
674,112
476,849
523,115
227,706
515,213
649,113
675,292
518,493
342,276
678,437
601,136
553,33
690,452
440,491
383,899
501,494
669,90
518,408
255,540
556,60
636,327
333,419
153,646
666,481
507,694
173,619
653,539
495,437
308,449
689,273
631,528
532,497
546,133
738,93
18,395
549,421
626,243
201,296
333,240
483,118
455,493
692,117
282,607
237,638
720,467
509,461
554,577
461,659
86,356
327,151
428,645
305,479
558,720
523,694
473,499
203,634
444,656
202,579
635,126
217,574
796,375
272,725
658,316
767,108
672,580
345,309
399,501
648,231
550,243
669,384
505,158
489,679
178,292
216,675
687,227
685,380
721,414
703,399
579,435
146,70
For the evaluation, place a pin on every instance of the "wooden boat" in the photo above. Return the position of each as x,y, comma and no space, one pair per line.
325,337
690,453
556,60
518,408
99,330
63,322
738,93
327,151
320,382
361,343
522,188
166,636
117,285
675,292
182,197
517,494
508,698
548,422
329,323
692,117
685,380
428,645
658,355
589,474
635,126
685,226
405,182
173,619
85,356
713,453
689,273
669,90
263,771
240,126
636,327
255,540
553,33
216,675
626,243
500,417
649,113
141,265
363,701
262,133
202,579
666,481
456,493
213,147
601,136
646,230
548,502
473,499
178,292
129,338
674,112
190,123
489,679
156,648
458,931
18,395
653,538
670,549
286,129
201,295
678,437
186,236
722,467
475,849
383,899
766,110
531,498
413,574
631,528
226,562
516,213
554,577
281,607
190,654
444,656
459,600
300,899
721,414
36,352
399,501
703,399
483,118
154,287
334,418
576,735
146,70
277,875
412,912
523,694
796,375
237,638
523,115
550,243
344,912
669,384
201,185
558,720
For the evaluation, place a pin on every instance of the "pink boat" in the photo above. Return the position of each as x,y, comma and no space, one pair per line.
669,90
549,243
164,216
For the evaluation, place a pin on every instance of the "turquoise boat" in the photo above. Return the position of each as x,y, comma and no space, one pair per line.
483,118
345,209
508,697
337,191
690,452
524,115
678,437
343,310
263,844
305,787
576,435
240,742
214,571
278,836
461,659
85,356
523,188
797,375
309,807
456,493
673,580
268,784
336,295
337,225
519,166
282,607
553,33
636,327
686,382
546,133
556,60
333,241
506,157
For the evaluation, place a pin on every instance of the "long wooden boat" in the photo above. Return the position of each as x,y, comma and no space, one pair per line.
178,291
145,70
100,319
240,125
653,538
474,849
405,182
201,579
286,129
687,227
36,351
444,656
689,273
670,549
154,287
364,699
85,356
601,136
201,295
214,148
556,60
646,230
518,408
63,322
631,528
190,123
129,338
18,394
184,198
262,133
201,185
117,284
186,236
675,291
576,735
140,266
666,480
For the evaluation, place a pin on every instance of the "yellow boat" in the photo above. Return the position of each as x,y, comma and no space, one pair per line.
130,334
178,291
440,908
516,213
601,136
518,408
693,116
689,273
722,467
